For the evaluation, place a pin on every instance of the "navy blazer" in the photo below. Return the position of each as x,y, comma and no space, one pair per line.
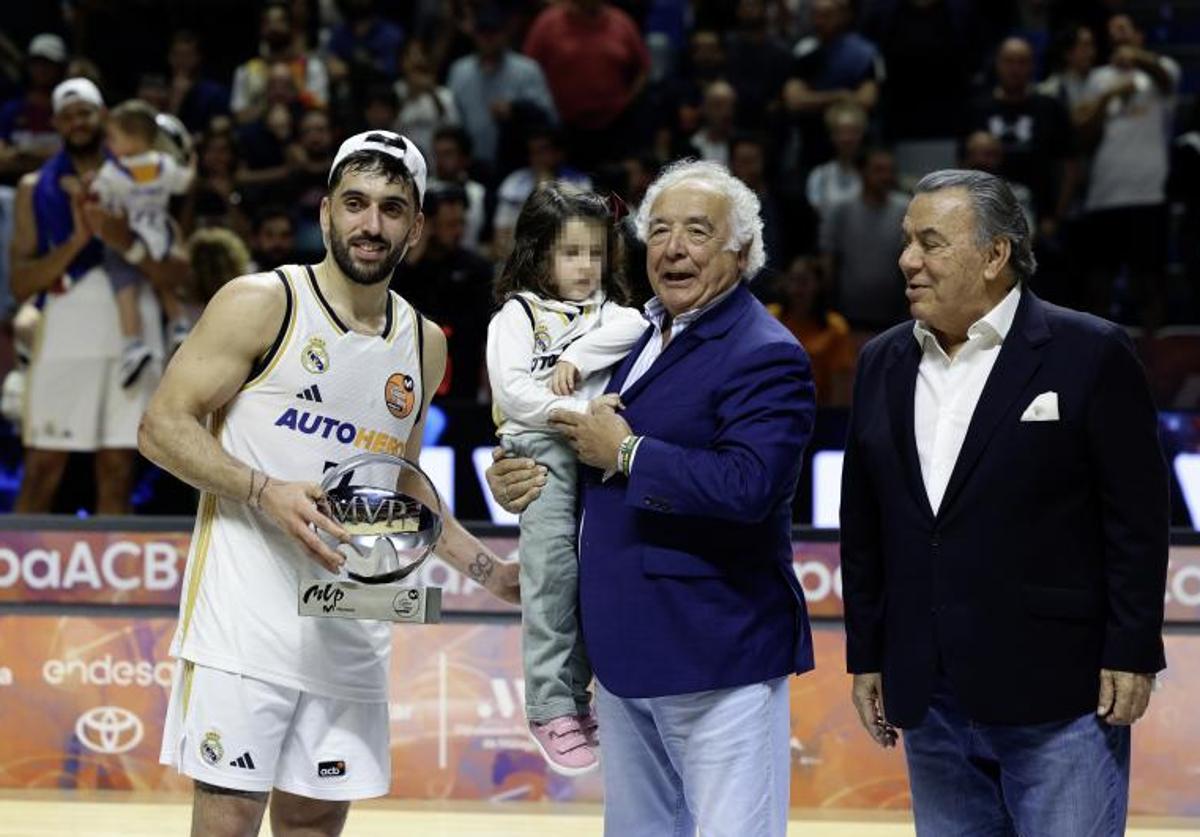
686,580
1047,559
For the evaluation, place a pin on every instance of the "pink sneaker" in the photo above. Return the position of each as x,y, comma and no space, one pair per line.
590,726
564,745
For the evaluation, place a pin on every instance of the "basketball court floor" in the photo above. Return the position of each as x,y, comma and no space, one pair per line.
127,814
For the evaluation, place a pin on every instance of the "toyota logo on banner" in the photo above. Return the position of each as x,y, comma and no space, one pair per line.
109,729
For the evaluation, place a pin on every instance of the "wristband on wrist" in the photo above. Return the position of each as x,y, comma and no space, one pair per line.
254,495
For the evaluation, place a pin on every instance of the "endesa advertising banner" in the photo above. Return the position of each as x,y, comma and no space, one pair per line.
147,568
82,702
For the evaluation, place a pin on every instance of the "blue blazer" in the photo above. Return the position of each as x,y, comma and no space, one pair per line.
686,580
1047,559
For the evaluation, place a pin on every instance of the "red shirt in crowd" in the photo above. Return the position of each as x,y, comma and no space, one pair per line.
592,61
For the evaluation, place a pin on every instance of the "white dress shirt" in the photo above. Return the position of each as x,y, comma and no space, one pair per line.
656,312
948,389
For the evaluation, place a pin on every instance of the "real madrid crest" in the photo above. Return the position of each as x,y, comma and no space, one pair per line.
210,747
399,393
313,357
541,338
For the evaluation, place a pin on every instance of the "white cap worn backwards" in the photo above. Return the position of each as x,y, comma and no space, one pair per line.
76,90
392,144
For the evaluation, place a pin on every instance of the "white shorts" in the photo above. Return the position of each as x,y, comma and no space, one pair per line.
237,732
78,404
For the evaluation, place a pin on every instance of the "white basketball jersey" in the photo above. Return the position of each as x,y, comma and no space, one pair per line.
82,321
322,395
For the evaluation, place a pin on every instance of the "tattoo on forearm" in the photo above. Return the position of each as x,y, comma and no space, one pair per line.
480,569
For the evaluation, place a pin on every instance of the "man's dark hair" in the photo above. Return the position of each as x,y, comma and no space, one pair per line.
545,132
270,213
384,93
369,161
748,138
443,196
457,135
865,155
1064,40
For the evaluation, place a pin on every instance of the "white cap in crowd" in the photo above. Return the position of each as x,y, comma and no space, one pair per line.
76,90
391,144
48,46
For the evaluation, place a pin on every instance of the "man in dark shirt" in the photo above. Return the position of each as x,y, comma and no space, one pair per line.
453,287
931,49
1034,130
833,65
758,63
274,240
195,99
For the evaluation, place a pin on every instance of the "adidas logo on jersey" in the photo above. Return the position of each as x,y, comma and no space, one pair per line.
310,394
243,761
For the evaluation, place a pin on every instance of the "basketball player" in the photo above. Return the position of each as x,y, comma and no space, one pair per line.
74,397
294,371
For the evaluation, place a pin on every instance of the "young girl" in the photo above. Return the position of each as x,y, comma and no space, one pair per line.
560,327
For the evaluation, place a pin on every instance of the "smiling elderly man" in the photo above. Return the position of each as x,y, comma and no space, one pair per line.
1004,533
691,613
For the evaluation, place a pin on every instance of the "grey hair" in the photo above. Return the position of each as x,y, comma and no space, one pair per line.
745,211
997,213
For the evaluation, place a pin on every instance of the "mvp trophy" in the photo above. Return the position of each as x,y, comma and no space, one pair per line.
393,515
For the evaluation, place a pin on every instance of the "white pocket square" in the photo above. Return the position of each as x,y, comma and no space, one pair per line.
1042,408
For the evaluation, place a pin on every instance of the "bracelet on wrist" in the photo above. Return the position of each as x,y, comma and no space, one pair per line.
625,453
258,484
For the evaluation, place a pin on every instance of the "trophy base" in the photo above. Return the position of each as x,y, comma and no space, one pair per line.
387,603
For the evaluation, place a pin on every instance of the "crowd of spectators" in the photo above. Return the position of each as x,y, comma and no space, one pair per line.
828,109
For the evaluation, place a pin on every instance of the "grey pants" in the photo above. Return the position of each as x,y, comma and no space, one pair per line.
121,274
557,671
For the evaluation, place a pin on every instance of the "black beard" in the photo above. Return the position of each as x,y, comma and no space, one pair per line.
370,276
85,149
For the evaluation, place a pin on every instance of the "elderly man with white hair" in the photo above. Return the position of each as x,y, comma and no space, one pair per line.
691,614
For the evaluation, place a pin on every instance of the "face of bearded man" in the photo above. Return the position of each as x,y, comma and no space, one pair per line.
80,124
369,226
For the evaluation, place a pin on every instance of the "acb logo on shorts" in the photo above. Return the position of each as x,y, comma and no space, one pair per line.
330,769
399,394
313,357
